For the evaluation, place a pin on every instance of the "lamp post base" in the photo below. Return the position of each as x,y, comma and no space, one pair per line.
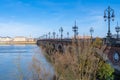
108,38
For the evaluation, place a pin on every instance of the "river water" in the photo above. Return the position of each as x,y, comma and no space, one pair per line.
24,62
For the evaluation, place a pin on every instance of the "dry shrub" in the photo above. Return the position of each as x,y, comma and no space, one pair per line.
79,63
41,69
98,43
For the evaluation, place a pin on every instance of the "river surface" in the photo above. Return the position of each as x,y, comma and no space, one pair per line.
24,62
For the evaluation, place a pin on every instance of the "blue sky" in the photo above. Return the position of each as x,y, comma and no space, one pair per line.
38,17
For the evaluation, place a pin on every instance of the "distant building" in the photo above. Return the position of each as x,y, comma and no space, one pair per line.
30,39
5,39
20,38
84,37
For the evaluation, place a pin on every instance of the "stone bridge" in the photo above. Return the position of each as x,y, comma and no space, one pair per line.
56,44
109,52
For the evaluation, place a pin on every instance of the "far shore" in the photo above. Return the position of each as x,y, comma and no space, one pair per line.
18,42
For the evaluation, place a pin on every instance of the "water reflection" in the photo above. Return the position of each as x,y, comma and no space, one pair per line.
18,62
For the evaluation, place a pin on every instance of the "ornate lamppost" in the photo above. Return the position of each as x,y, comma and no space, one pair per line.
91,31
117,28
54,35
75,30
57,36
61,31
42,36
49,34
46,36
67,34
109,14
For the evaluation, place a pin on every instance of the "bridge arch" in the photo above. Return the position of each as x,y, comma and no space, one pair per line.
60,48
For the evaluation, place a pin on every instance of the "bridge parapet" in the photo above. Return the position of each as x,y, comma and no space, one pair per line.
56,44
112,42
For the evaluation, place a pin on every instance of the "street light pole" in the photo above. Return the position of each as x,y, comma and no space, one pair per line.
57,36
110,15
54,35
46,36
75,30
49,34
91,31
67,34
61,31
117,28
